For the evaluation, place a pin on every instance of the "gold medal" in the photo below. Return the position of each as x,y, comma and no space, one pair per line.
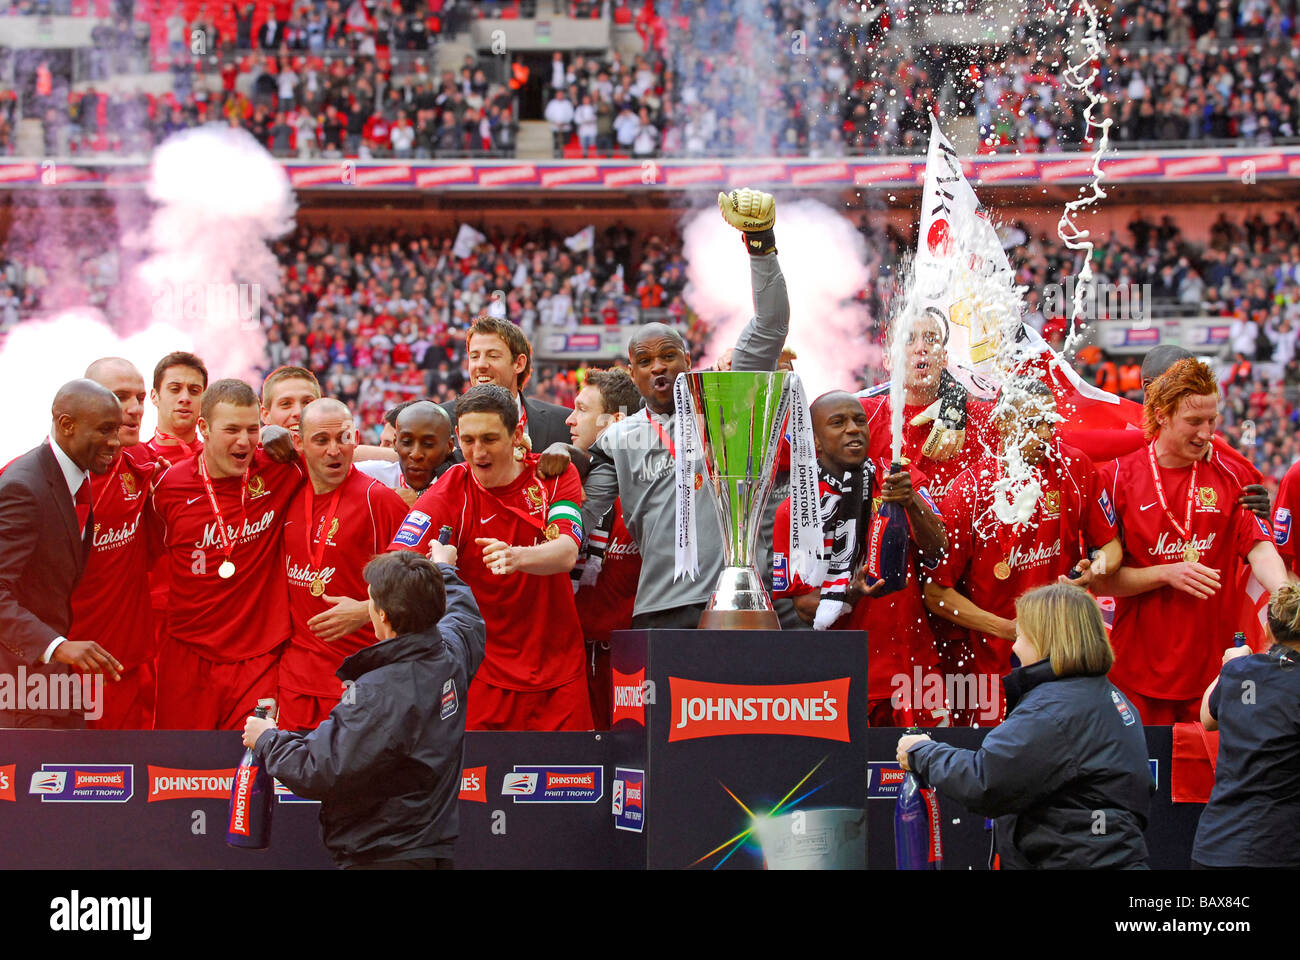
226,570
552,531
317,587
1002,571
1191,554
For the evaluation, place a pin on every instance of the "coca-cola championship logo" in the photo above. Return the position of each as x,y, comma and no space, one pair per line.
818,709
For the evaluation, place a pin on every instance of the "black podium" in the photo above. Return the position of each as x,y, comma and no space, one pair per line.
729,750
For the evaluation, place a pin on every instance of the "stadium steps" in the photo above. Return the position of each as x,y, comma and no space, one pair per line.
30,139
535,141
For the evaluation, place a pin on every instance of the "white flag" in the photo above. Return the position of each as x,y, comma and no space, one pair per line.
582,241
467,238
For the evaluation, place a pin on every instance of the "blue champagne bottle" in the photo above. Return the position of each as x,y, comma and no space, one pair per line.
887,543
918,843
251,795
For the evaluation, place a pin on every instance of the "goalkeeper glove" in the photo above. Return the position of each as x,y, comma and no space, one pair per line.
753,213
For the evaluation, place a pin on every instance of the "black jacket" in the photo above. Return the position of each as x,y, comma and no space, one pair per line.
42,557
1066,774
545,425
386,763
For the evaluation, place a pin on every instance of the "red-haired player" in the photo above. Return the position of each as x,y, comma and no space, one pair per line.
517,536
1185,537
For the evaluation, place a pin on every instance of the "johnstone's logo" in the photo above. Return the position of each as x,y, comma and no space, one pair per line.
473,784
629,697
560,784
82,783
793,709
166,783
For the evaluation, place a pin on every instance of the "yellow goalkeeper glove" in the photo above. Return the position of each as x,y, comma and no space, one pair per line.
753,213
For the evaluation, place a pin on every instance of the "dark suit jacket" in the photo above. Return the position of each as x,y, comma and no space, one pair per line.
545,425
42,557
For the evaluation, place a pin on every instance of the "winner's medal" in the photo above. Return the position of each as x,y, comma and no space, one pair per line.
227,568
1190,553
317,587
1002,570
327,525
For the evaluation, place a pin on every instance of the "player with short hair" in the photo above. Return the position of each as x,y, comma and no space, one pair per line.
112,603
990,564
218,516
851,486
179,380
1185,536
388,435
332,527
606,574
285,392
517,536
496,351
423,444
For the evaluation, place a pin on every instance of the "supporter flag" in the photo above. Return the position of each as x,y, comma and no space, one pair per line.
467,238
582,241
952,218
358,19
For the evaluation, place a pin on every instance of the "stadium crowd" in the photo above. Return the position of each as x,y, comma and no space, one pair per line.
820,79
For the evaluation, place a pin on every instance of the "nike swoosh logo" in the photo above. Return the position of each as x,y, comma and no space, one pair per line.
486,519
1147,507
195,500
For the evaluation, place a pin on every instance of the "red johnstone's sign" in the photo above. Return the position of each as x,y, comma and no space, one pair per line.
7,775
473,784
817,710
629,697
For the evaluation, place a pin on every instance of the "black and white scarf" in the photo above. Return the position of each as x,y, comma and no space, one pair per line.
846,512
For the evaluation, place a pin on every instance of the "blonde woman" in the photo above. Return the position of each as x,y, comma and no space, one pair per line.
1066,774
1254,703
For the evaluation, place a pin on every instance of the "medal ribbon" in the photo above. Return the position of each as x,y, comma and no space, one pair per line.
227,546
524,515
188,450
309,505
108,482
667,440
1160,494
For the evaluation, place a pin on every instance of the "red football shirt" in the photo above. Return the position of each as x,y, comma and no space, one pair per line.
365,519
248,614
606,605
1168,644
159,581
899,637
981,439
1285,508
1036,552
111,603
534,639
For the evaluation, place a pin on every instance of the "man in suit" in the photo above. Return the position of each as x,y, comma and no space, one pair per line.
497,352
46,525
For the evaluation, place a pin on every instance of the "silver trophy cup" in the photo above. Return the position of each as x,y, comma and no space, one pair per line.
740,417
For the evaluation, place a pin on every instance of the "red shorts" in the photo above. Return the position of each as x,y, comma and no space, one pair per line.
566,707
128,703
1156,712
302,711
195,693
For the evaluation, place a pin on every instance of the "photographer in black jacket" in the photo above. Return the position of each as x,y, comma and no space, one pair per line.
1254,703
1066,774
386,763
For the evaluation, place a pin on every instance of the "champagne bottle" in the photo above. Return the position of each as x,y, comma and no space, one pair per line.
251,795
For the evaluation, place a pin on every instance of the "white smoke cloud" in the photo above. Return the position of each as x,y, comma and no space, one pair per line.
823,259
220,198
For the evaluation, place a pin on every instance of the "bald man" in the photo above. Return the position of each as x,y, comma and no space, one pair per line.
634,460
423,443
111,604
332,527
46,525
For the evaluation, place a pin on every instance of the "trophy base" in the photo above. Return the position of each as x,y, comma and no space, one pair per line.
739,603
739,620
